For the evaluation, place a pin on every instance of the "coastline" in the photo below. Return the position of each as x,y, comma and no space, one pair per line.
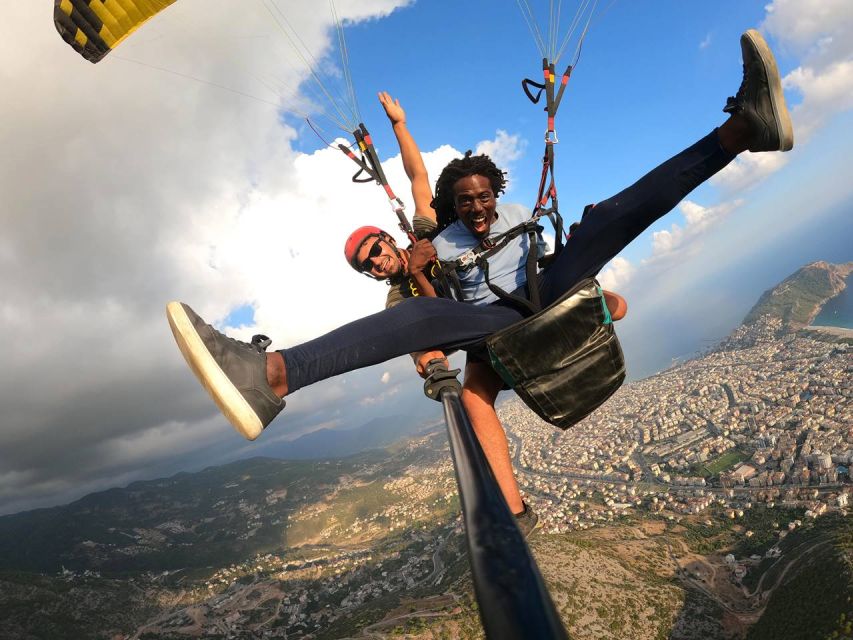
840,332
844,271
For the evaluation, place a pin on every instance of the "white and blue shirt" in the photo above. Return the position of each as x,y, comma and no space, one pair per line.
506,266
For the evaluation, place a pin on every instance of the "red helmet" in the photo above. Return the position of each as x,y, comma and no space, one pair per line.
358,238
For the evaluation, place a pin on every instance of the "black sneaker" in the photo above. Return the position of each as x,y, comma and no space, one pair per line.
233,372
526,520
760,98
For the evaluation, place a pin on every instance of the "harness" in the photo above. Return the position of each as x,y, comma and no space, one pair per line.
546,206
408,287
552,103
448,273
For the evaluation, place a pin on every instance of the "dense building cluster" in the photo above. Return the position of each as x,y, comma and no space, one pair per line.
767,417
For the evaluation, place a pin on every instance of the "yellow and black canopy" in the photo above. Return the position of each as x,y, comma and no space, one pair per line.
95,27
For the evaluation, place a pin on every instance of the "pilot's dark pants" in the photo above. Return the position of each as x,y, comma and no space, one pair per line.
420,324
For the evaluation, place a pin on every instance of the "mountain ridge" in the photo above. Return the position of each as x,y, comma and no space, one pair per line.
797,300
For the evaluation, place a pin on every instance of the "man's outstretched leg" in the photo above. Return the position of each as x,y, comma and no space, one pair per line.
248,384
758,121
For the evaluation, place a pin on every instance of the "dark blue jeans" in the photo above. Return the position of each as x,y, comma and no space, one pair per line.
419,324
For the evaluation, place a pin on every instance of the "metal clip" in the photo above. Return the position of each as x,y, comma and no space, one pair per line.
467,259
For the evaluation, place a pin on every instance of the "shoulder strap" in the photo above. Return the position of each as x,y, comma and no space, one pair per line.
534,304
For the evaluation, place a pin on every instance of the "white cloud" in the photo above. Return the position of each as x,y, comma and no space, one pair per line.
126,186
678,240
824,94
821,33
706,42
386,377
616,274
379,398
747,170
811,27
310,224
503,149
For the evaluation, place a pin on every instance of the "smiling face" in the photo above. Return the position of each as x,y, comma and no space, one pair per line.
475,204
380,255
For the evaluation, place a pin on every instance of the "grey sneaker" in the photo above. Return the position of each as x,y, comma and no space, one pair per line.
526,520
760,98
233,372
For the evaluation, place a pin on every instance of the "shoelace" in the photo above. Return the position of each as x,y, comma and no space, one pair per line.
258,343
734,104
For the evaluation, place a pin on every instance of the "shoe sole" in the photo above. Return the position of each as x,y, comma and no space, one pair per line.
211,376
785,129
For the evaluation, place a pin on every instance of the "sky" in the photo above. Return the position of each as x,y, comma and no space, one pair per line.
177,169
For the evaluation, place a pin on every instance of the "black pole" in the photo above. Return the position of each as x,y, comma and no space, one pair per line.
511,594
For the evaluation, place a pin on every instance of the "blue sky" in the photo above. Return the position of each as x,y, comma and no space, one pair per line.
652,79
127,184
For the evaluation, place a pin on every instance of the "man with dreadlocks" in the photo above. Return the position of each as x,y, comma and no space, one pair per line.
249,385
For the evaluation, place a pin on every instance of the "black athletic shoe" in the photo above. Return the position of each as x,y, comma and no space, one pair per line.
526,520
760,98
233,372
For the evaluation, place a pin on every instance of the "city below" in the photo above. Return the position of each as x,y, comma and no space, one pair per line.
710,500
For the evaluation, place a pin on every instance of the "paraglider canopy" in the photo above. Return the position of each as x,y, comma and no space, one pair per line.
94,28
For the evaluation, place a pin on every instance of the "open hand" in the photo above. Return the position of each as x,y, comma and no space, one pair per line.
392,108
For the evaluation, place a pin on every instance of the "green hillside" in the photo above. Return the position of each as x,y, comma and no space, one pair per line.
798,298
816,601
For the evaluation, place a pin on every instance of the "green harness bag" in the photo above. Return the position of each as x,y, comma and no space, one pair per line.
564,361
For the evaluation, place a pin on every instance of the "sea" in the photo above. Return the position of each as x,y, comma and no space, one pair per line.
838,311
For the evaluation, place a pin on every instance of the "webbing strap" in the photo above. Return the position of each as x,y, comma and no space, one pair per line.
546,194
552,99
489,246
362,136
534,304
370,165
547,184
479,257
521,301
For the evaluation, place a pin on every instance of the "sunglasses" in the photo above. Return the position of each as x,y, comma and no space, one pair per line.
375,252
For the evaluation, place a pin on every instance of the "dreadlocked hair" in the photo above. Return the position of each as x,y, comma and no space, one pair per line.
470,165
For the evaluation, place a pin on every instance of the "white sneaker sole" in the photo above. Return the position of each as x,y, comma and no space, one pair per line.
777,98
211,376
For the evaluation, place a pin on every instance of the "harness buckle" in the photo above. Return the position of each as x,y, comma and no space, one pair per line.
466,260
551,137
